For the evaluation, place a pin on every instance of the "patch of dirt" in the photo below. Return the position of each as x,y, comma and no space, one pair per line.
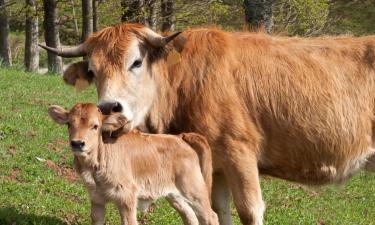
15,109
12,150
60,142
67,173
365,212
57,145
71,219
14,176
321,222
31,134
146,216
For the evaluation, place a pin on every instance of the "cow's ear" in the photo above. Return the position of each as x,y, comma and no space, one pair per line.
78,71
58,114
113,122
174,50
179,42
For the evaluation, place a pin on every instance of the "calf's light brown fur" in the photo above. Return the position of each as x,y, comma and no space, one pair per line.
137,167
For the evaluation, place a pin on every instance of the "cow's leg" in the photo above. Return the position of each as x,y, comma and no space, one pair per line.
241,171
128,211
184,210
97,213
221,199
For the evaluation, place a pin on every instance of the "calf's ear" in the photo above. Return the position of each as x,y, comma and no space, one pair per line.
113,122
78,71
58,114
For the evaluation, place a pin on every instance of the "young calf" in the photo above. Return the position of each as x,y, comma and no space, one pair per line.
137,167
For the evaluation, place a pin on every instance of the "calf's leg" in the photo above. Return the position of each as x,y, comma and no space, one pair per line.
97,213
183,208
241,171
193,188
221,198
128,211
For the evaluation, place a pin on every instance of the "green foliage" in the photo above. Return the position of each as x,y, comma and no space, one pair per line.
215,13
354,17
302,17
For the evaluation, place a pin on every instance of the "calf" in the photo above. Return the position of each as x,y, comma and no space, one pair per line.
137,167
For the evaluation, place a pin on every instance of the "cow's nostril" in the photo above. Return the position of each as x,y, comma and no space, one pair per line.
117,107
77,144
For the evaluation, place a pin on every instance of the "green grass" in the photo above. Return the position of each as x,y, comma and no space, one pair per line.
33,193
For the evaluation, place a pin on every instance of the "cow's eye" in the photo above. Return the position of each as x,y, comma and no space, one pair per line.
95,127
136,64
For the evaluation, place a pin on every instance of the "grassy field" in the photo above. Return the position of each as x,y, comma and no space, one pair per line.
38,186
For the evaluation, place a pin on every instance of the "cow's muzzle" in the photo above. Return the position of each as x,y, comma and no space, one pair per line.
108,108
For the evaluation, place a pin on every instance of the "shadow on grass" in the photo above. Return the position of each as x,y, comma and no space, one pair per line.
11,216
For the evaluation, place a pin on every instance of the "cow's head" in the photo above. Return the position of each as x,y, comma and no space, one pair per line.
120,61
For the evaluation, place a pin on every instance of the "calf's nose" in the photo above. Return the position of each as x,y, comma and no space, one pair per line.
77,144
110,107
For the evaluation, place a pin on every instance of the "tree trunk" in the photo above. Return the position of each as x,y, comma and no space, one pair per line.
51,35
258,14
75,18
31,43
168,15
152,14
133,11
87,19
5,54
95,16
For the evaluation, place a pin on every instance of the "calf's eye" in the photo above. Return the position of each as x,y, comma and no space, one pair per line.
95,127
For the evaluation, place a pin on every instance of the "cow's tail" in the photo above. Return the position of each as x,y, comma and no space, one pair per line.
203,150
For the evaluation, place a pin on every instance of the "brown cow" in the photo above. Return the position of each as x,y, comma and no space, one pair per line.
137,167
294,108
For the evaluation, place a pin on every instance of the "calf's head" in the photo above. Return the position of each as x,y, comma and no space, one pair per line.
85,124
121,63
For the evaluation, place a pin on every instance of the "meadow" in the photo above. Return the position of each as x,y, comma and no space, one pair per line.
38,185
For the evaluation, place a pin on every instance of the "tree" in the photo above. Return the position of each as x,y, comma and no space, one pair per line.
168,15
133,11
258,14
152,14
87,19
95,17
51,35
5,54
31,59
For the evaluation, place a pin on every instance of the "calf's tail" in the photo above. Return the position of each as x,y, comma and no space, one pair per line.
203,150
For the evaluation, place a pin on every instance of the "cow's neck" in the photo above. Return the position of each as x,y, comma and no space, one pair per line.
163,110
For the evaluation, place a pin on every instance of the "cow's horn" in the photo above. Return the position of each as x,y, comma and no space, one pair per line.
67,52
157,40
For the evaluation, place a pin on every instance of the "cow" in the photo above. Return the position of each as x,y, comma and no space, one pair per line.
137,167
300,109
